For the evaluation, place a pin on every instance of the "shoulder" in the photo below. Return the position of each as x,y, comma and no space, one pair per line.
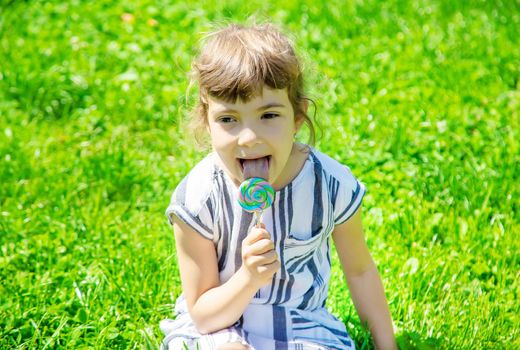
197,186
192,200
331,167
344,189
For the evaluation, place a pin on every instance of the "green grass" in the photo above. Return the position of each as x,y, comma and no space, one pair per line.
421,99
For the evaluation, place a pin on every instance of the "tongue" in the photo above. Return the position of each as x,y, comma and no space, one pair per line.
256,168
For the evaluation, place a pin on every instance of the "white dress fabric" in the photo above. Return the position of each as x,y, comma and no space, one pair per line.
289,313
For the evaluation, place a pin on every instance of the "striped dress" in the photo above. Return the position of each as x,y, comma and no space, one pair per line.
288,313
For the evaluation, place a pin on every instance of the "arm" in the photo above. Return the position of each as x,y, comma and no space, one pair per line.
363,281
214,306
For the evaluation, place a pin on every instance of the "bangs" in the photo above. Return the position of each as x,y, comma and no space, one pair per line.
239,66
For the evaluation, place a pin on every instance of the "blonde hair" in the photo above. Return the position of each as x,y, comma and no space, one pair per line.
235,62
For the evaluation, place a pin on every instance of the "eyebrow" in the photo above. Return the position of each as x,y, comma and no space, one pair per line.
270,105
261,108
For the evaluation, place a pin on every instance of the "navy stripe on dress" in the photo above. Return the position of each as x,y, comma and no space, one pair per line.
283,233
317,210
279,324
224,226
290,282
273,238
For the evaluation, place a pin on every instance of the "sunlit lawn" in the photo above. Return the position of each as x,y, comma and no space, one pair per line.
420,99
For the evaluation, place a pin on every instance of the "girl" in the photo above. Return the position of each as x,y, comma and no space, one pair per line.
264,287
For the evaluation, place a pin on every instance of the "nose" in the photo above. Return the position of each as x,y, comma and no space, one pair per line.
248,137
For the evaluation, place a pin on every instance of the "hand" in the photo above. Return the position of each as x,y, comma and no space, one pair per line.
259,258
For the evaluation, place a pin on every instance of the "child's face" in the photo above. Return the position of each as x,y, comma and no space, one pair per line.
263,127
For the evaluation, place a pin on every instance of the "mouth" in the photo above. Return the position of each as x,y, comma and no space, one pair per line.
255,166
241,161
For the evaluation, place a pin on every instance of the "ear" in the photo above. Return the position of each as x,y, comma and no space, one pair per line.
305,105
299,119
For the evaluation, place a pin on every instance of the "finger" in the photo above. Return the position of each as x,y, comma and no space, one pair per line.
251,237
261,246
257,234
270,257
264,259
272,267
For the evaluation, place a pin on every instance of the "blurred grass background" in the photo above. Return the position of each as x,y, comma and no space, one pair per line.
420,98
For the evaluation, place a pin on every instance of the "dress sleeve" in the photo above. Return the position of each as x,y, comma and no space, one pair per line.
193,207
347,195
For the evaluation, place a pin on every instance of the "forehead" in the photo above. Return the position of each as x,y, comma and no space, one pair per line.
268,96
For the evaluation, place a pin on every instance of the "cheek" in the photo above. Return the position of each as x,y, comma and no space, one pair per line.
282,134
221,143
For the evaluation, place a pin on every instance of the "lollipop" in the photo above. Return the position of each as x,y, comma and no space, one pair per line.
255,195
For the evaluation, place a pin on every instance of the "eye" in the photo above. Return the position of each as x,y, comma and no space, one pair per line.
270,115
226,119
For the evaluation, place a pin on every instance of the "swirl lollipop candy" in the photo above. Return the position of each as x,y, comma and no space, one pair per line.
256,195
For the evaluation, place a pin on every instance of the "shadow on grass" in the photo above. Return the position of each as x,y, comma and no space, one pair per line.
413,341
